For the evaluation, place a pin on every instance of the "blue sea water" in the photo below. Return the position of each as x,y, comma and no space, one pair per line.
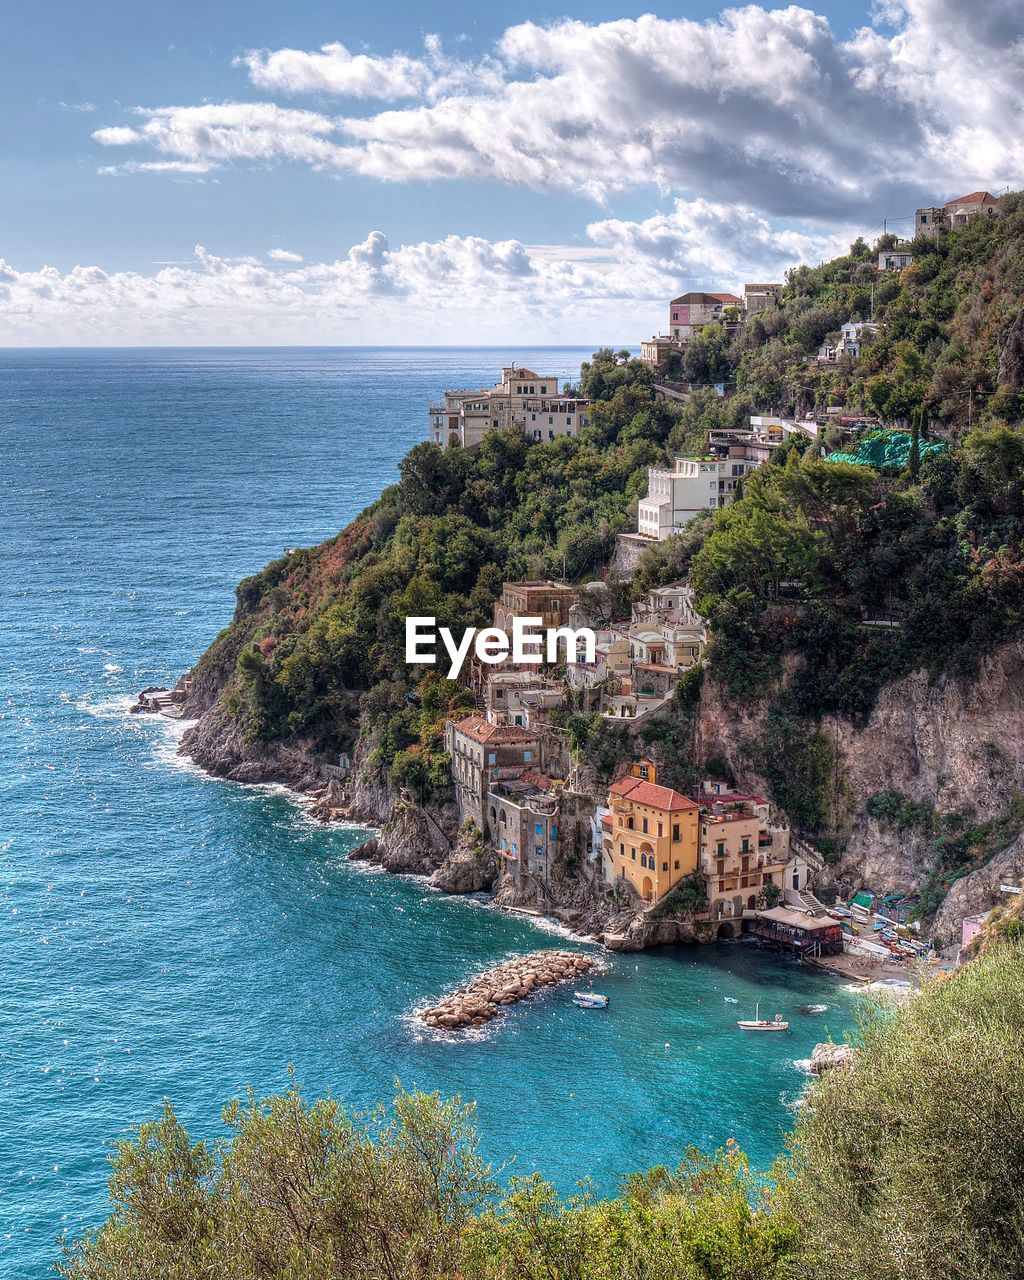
164,935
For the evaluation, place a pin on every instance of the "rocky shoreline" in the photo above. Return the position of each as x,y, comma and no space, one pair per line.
488,996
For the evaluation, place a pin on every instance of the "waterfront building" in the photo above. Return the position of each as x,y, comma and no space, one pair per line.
655,350
651,834
934,219
523,825
796,931
522,398
484,754
741,851
675,496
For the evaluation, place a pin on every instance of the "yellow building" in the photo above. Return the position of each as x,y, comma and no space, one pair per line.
651,833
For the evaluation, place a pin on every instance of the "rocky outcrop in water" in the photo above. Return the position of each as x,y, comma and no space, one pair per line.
488,996
828,1057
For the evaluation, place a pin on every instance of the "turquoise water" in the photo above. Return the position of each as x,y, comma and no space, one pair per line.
164,935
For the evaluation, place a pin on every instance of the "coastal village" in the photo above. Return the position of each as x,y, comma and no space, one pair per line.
639,862
718,855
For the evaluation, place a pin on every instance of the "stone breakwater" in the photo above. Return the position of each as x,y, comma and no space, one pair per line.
487,996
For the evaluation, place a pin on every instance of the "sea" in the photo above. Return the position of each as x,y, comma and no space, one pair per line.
167,936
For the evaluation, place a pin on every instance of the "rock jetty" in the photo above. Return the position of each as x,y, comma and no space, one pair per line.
487,996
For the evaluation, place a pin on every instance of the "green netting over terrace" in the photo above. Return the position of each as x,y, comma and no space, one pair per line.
886,449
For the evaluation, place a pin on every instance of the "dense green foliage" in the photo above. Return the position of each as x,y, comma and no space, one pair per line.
907,1163
944,320
318,630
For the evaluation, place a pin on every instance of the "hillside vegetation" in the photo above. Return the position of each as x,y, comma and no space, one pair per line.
907,1163
794,577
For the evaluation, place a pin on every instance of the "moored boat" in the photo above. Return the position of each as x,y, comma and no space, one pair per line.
757,1023
589,1000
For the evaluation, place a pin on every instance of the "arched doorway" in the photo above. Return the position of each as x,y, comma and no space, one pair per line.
725,930
752,902
648,889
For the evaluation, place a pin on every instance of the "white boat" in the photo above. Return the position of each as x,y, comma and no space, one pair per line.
589,1000
757,1023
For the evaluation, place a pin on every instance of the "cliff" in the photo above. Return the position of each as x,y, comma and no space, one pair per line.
937,765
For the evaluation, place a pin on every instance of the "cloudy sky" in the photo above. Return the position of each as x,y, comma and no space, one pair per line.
324,172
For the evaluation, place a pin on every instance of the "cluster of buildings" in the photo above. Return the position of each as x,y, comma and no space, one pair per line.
522,398
515,782
688,312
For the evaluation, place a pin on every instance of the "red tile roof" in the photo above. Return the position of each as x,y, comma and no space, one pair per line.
976,197
481,730
729,298
650,793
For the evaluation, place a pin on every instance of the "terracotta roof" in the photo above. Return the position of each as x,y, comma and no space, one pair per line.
479,729
976,197
728,298
650,793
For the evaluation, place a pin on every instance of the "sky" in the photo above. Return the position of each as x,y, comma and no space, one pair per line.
321,173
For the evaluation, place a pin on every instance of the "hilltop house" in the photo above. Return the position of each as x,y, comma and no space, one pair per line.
955,213
522,398
691,310
759,297
896,258
650,834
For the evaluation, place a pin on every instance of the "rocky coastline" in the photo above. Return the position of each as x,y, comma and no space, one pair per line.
489,995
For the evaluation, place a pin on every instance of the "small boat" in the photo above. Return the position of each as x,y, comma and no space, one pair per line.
589,1000
757,1023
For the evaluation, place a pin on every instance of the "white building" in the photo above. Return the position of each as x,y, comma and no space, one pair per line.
855,335
675,497
524,399
896,258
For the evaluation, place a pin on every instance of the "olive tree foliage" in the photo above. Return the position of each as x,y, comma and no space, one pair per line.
296,1190
911,1162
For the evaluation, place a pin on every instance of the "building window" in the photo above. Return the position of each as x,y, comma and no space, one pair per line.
539,828
746,845
645,826
660,831
634,855
721,849
622,850
677,864
675,831
492,757
629,822
664,866
543,391
527,756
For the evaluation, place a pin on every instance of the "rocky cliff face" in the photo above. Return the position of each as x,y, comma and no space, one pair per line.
950,744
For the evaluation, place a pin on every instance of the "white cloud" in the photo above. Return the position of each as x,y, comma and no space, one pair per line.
284,255
769,108
459,289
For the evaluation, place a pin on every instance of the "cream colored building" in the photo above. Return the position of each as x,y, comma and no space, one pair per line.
741,851
955,213
522,398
